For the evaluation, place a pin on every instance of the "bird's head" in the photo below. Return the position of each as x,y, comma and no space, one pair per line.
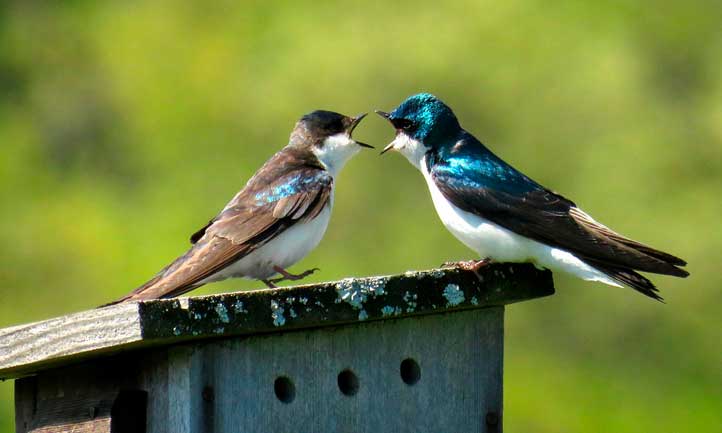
422,122
328,135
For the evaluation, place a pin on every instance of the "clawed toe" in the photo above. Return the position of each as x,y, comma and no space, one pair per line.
307,273
285,275
468,265
271,283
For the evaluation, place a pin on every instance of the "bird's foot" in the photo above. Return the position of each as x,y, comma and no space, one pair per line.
285,275
468,265
270,284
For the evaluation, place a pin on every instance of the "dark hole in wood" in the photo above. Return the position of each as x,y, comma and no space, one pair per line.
207,394
348,382
285,389
128,414
493,422
410,371
492,418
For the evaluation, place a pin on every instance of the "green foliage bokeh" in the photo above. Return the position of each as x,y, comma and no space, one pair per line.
125,126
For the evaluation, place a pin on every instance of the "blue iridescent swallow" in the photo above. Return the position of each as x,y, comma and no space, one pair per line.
503,215
274,221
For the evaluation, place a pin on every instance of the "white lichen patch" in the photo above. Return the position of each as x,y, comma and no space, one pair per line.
277,314
387,311
219,330
303,300
222,313
238,307
292,313
176,330
437,273
356,292
198,316
410,300
377,285
474,301
453,294
363,315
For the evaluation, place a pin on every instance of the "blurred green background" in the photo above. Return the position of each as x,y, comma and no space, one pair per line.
125,126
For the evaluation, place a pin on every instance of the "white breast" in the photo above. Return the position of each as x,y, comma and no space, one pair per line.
495,242
285,250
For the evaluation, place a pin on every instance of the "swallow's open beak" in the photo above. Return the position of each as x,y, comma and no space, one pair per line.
354,123
387,148
386,116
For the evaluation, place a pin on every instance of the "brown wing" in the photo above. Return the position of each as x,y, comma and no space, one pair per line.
285,191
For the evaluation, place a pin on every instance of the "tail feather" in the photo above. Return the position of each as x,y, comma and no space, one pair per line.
629,278
137,293
663,268
657,254
149,289
631,254
637,282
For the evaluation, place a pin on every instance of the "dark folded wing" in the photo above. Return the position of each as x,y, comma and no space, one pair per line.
270,203
544,216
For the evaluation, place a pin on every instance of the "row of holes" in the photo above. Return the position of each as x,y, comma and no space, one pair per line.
347,380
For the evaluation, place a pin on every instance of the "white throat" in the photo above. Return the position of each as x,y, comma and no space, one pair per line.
412,149
336,151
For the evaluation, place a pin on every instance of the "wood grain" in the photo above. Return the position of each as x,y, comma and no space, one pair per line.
30,348
227,385
459,356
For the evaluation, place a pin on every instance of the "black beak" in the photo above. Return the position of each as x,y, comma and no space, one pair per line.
383,114
354,123
386,116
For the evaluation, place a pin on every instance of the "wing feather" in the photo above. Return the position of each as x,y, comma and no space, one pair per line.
274,200
535,212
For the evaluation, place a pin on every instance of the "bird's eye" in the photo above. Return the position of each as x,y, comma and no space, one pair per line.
405,124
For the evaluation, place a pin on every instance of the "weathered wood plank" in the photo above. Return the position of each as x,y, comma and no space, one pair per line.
185,390
101,425
453,383
33,347
91,397
77,334
25,403
348,379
